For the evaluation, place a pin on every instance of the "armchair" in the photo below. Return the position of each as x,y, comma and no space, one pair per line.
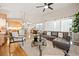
63,44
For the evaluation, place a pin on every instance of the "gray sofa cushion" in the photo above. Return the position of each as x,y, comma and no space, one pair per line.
61,44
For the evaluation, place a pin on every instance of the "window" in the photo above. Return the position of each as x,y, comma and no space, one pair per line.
66,25
62,25
57,25
2,22
40,26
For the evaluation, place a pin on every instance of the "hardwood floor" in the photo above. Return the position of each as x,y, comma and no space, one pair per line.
4,51
15,50
18,50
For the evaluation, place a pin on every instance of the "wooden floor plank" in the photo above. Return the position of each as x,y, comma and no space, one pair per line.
15,50
19,51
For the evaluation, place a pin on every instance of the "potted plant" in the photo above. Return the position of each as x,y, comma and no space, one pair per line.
75,29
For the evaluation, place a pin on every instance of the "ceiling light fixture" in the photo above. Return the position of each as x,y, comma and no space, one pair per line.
46,7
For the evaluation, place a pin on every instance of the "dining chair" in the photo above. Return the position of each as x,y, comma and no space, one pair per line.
16,37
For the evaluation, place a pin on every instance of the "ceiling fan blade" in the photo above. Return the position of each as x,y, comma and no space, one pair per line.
39,6
50,3
50,8
43,9
45,3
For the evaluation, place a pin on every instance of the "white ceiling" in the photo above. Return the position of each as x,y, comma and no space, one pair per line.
35,15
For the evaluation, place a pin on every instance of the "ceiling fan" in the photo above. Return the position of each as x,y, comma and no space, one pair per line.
46,6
